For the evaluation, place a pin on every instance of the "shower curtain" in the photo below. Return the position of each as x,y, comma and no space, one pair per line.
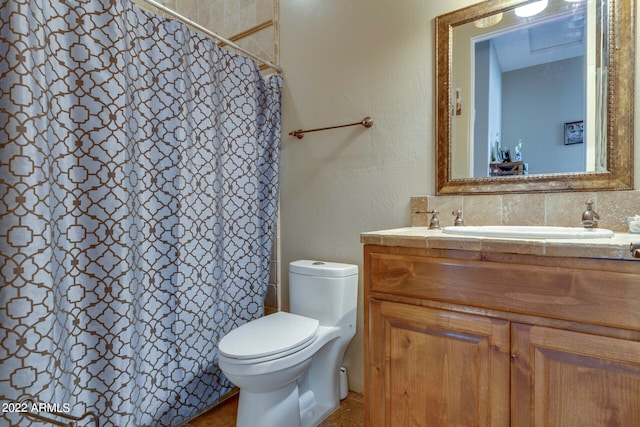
138,198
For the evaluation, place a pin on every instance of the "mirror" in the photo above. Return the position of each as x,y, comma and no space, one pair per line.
556,116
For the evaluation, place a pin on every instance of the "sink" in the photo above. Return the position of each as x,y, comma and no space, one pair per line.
530,232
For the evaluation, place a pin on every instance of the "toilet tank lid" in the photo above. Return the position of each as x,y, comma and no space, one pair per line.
322,268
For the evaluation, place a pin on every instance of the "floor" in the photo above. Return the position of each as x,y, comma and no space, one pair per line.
349,414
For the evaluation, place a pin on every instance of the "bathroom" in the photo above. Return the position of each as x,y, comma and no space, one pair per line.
342,61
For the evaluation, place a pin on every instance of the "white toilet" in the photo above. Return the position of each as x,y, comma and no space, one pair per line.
287,364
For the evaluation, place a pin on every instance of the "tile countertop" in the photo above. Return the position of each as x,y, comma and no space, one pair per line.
616,247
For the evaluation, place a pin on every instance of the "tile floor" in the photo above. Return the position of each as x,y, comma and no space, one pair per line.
350,414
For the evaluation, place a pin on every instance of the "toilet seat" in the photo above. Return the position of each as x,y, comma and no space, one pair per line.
269,337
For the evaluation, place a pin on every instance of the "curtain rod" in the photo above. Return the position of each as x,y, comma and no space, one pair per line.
211,34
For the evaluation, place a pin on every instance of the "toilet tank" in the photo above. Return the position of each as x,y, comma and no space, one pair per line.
326,291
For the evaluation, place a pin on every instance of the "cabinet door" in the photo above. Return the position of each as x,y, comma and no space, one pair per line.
564,378
434,368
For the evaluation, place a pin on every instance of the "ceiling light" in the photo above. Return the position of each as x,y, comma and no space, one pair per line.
488,21
531,8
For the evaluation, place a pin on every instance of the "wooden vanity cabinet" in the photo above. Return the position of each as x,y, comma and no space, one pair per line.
461,338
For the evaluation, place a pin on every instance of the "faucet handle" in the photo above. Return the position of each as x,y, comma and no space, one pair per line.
458,220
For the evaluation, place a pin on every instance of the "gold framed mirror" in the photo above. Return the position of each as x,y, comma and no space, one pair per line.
607,114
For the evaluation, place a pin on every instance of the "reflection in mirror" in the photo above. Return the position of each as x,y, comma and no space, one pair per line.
528,77
532,98
522,69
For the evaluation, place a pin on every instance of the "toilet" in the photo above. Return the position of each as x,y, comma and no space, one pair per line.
287,364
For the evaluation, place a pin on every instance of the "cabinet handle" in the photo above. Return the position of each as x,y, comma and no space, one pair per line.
514,357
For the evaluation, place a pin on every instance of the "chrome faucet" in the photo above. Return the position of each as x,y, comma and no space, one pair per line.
590,217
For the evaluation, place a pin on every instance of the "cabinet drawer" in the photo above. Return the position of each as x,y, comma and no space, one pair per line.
605,298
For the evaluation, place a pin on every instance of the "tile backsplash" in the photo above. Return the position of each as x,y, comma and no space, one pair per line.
558,209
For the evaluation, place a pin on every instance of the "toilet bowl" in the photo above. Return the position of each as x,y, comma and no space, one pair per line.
287,364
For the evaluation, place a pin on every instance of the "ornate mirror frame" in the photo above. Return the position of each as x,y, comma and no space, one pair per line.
620,104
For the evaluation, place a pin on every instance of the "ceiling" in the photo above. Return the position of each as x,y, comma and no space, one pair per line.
541,43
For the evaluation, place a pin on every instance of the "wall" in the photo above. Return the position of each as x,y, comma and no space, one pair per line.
554,94
344,60
488,106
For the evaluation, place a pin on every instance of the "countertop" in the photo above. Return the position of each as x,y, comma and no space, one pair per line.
616,247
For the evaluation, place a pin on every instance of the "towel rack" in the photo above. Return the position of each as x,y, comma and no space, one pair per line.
366,122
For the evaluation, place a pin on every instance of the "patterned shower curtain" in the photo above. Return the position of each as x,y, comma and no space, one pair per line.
138,196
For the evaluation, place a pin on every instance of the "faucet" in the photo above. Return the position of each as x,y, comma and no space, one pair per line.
458,214
434,223
590,217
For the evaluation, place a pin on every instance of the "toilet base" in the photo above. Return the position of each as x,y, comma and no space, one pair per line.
315,412
283,408
279,408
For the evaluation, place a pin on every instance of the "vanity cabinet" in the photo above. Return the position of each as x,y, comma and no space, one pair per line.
464,338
